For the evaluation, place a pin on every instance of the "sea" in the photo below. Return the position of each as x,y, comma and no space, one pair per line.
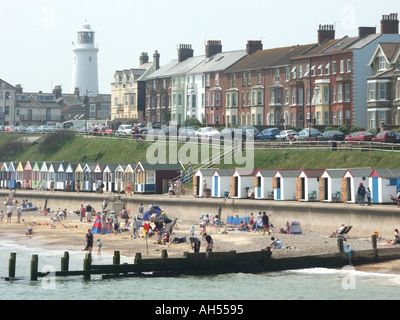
306,284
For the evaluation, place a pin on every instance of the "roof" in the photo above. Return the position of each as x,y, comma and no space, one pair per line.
313,173
336,173
263,59
219,61
159,166
163,72
206,172
185,66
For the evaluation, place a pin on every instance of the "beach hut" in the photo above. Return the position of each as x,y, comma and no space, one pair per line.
4,175
284,184
35,175
19,175
129,178
307,184
27,181
97,174
221,181
331,185
384,183
202,179
241,182
78,175
153,178
119,177
108,176
70,176
350,182
44,175
263,184
60,177
88,177
12,175
52,174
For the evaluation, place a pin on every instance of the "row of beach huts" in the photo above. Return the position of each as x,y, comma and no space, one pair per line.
325,185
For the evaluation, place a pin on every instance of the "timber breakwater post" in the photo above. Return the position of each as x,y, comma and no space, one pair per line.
199,264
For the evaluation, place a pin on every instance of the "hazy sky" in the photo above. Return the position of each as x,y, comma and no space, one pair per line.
36,35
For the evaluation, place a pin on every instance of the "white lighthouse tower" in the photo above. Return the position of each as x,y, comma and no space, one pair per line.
84,72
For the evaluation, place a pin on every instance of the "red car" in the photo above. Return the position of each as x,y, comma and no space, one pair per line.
385,136
360,136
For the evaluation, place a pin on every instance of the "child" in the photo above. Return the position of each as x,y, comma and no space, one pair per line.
192,231
1,216
99,245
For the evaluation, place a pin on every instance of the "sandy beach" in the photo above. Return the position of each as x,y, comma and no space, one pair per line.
70,234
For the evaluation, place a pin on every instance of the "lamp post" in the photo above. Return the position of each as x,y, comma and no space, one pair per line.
85,105
309,121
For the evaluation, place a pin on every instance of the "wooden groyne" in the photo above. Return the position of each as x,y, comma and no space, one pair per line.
202,264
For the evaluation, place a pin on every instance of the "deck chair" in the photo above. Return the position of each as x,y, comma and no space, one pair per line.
344,232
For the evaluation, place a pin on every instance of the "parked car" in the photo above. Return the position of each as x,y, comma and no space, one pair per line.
386,137
397,134
31,129
187,132
20,129
286,135
52,128
41,128
359,136
9,128
124,130
248,131
331,135
307,133
268,134
208,132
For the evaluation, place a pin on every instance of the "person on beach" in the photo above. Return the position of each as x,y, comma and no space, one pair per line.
287,227
82,212
77,186
275,243
135,228
116,224
368,194
1,216
99,246
10,209
396,239
361,193
88,212
30,231
89,241
19,213
210,243
140,211
265,221
195,243
103,221
350,253
335,232
52,185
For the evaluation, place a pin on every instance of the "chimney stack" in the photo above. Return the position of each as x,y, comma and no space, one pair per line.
213,47
390,24
156,60
144,58
185,51
57,91
76,92
326,32
253,46
365,31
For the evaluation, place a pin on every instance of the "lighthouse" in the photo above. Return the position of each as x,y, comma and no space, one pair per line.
84,72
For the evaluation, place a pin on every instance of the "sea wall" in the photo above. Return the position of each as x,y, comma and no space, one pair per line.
315,216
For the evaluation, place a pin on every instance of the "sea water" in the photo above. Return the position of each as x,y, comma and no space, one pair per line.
305,284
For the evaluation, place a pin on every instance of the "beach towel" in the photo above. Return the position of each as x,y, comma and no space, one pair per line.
234,222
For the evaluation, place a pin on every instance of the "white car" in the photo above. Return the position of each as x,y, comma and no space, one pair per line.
283,135
208,132
124,130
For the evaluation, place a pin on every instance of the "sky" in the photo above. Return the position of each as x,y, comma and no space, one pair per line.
37,35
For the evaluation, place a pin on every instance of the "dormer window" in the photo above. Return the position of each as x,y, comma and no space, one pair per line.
382,63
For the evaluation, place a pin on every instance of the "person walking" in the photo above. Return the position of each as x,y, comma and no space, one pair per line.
99,246
350,253
89,241
265,222
368,194
10,209
361,193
